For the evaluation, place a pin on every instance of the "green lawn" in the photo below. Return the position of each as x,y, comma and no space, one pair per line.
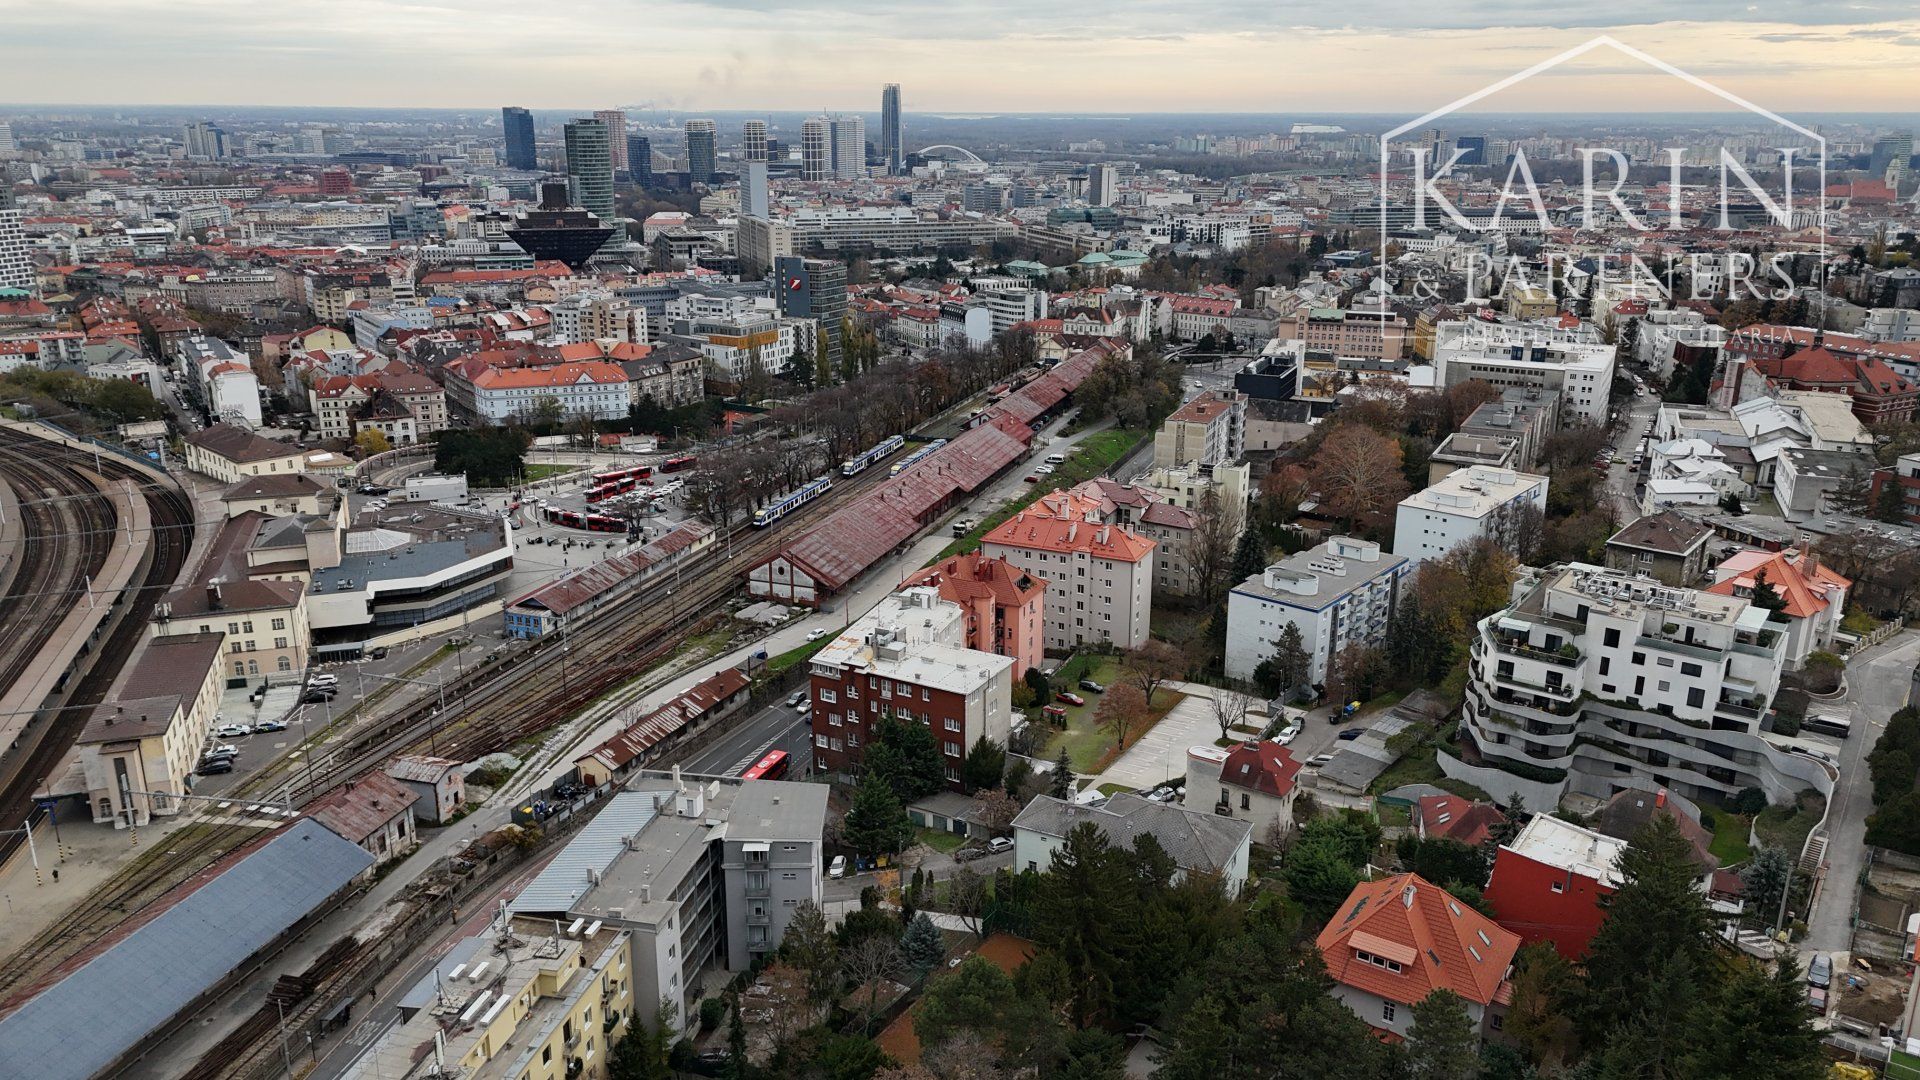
942,841
1729,839
1422,766
1787,827
797,655
543,471
1094,456
1086,741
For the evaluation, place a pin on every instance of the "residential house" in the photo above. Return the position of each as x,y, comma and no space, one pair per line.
1254,782
1198,843
1811,597
1397,939
1450,817
1668,546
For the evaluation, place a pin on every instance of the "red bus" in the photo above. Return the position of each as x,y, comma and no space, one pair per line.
635,472
771,767
675,464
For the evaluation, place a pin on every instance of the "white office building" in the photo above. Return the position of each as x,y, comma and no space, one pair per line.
1464,506
1339,593
1573,361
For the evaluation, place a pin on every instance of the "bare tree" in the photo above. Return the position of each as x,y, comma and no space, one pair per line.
1216,530
1229,710
1357,472
1152,664
967,897
1123,707
869,963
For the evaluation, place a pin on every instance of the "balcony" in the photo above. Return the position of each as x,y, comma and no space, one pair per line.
1745,712
1534,652
759,918
758,887
1556,690
1682,648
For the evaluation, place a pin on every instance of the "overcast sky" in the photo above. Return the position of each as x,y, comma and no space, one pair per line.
951,55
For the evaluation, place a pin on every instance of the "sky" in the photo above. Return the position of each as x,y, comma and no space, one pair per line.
951,55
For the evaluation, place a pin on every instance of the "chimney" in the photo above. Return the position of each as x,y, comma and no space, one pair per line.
213,595
1406,895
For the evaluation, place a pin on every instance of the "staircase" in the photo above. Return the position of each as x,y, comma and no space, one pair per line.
1813,853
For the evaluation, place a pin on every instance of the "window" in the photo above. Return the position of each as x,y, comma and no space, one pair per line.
279,624
1559,887
1386,1011
953,724
828,696
1611,638
1246,801
1496,1021
279,643
1690,669
926,694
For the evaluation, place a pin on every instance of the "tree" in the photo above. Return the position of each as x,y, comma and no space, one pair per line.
1249,556
1890,505
876,824
1657,927
1151,664
810,947
1088,915
641,1054
1441,1044
986,765
1121,708
1210,547
908,758
1757,1025
370,441
1443,860
1538,1019
1319,878
1766,880
1229,709
995,810
738,1067
874,960
848,1057
1357,474
488,457
1292,664
1061,785
967,896
921,946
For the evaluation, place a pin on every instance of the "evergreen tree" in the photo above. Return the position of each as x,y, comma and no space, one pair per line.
1657,1028
986,765
1319,877
1441,1044
921,946
1766,879
809,945
1756,1026
738,1067
1060,786
1249,556
1890,505
1657,930
1291,662
914,767
1088,914
876,824
1537,1020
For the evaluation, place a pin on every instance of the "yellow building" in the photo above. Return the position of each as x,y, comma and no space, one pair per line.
150,734
530,999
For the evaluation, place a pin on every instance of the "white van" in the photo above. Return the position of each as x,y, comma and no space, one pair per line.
1056,459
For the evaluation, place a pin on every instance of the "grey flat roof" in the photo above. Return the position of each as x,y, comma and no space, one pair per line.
80,1025
565,879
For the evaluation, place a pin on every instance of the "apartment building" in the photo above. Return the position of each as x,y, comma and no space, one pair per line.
1468,505
1099,574
908,659
1338,593
230,454
1597,679
139,750
594,389
701,874
1005,606
1373,334
265,623
1574,362
1209,430
1670,547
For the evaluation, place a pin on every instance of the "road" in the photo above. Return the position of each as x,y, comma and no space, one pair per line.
1878,685
1621,483
775,727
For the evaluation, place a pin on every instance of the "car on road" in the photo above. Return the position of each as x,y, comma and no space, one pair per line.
817,633
1092,687
1043,470
796,698
379,652
1030,479
1351,734
319,695
215,765
233,731
265,726
323,679
226,750
1287,734
963,527
1317,760
1070,698
838,867
999,844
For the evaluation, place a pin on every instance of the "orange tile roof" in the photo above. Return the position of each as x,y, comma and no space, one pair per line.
1806,594
1439,943
552,375
1064,522
1264,766
963,577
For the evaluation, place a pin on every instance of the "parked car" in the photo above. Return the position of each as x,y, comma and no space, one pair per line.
378,652
1287,734
215,765
805,704
1351,734
266,726
1820,971
999,844
969,853
1317,760
1070,698
838,867
319,695
817,633
1092,687
320,679
796,698
1029,479
233,731
225,750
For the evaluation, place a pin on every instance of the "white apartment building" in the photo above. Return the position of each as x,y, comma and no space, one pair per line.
224,376
1574,361
1595,677
1892,324
16,266
894,229
1011,306
1339,593
597,317
1464,506
1209,430
1099,574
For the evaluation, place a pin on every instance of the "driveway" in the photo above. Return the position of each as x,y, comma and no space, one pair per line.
1878,685
1161,753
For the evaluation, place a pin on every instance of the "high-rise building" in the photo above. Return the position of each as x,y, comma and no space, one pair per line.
700,151
753,189
891,150
16,266
849,139
6,138
590,168
753,140
640,160
616,122
816,150
814,289
1103,182
518,123
204,140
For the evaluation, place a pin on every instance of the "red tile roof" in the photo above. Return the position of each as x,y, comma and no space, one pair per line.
1060,522
1264,766
1438,943
1806,589
1451,817
965,577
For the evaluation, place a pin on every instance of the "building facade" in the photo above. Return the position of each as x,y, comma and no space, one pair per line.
1339,593
1099,574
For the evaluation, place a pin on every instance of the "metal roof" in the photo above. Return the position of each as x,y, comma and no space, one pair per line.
565,879
81,1024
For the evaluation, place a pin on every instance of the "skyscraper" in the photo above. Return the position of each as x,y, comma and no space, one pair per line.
891,150
753,140
700,151
1103,182
1890,156
590,168
6,138
16,266
518,123
204,140
616,122
849,138
640,160
814,289
816,150
753,190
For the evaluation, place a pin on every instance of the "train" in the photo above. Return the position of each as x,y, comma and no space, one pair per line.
912,459
582,519
788,503
636,472
675,464
855,465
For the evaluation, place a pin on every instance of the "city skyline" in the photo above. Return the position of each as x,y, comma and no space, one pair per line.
1791,56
